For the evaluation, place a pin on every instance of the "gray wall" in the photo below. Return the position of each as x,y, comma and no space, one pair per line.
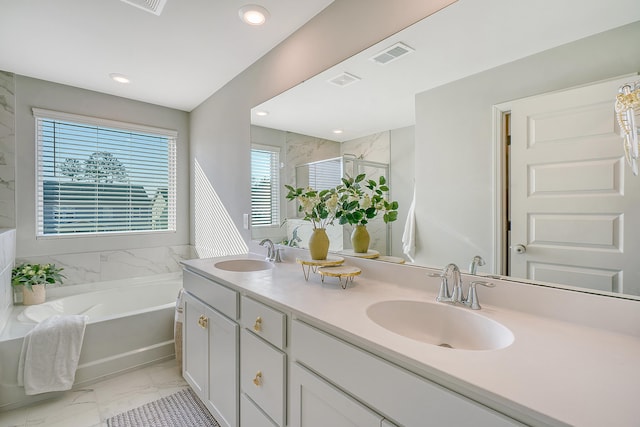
38,93
402,163
220,127
454,143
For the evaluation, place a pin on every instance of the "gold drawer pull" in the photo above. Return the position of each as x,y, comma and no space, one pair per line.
258,325
258,379
203,321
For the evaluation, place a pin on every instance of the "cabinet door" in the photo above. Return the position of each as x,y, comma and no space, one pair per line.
223,381
251,416
195,365
316,403
210,359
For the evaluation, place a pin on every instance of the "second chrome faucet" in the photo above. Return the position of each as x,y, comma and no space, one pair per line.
451,273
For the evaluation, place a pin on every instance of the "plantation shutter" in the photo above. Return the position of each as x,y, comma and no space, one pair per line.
101,176
265,185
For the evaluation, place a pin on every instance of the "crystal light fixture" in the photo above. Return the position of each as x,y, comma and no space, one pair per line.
627,107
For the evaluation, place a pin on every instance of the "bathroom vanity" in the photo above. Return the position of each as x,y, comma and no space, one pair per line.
264,347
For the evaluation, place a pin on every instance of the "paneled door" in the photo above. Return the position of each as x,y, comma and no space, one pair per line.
575,206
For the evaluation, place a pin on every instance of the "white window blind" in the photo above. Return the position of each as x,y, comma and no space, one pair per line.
100,176
325,174
265,186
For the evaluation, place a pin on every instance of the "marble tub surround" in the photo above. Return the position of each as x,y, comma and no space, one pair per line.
573,360
91,267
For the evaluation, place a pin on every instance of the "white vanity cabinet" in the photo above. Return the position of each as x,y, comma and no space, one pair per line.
400,396
210,346
316,403
263,365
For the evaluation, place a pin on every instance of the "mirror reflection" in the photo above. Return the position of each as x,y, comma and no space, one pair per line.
443,116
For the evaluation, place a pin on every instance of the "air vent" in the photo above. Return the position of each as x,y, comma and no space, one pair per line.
392,53
344,79
153,6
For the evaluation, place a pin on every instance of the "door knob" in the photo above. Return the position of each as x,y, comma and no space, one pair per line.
519,249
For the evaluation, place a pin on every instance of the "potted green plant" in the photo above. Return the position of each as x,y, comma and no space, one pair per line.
360,201
33,278
318,207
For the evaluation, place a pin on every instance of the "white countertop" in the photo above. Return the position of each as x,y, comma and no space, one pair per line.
556,372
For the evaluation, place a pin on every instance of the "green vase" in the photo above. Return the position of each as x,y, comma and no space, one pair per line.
319,244
360,239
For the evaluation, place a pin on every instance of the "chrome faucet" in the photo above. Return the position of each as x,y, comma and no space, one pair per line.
475,263
456,295
450,272
271,250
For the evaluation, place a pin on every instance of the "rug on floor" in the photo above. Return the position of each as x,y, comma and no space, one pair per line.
181,409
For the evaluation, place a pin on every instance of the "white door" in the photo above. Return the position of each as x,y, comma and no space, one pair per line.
575,206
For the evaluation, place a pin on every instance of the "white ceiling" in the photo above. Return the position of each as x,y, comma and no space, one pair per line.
465,38
177,59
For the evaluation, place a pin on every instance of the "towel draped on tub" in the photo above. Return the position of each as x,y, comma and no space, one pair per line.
50,354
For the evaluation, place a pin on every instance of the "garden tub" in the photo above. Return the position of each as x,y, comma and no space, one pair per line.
130,325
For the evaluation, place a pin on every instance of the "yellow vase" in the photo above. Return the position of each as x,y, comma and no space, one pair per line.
360,239
319,244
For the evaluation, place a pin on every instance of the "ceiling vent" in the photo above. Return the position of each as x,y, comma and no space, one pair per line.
153,6
344,79
392,53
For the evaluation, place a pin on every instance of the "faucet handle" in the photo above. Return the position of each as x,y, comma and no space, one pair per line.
278,255
472,297
443,292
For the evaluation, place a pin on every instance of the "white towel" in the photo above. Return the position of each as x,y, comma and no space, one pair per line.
409,235
50,354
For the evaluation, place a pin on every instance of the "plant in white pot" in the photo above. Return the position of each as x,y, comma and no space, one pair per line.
33,278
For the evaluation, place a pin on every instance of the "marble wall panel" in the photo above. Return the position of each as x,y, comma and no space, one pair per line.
375,147
7,150
89,267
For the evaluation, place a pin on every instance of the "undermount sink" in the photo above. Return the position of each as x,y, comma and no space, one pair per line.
440,324
243,265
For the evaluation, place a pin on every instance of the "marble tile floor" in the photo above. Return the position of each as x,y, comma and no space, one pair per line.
92,405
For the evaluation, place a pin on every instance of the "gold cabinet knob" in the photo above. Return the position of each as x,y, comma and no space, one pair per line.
257,380
203,321
258,325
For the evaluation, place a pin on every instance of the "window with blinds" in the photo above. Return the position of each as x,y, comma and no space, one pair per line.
325,174
97,176
265,186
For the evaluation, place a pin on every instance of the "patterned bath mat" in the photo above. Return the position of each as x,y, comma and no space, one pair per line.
181,409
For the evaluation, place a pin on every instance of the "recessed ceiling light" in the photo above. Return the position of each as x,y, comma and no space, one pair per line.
337,131
253,14
120,78
262,113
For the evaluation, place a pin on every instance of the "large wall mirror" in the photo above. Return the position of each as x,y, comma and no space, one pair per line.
443,104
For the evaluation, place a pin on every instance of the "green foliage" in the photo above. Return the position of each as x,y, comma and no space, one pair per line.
319,207
36,274
362,199
356,201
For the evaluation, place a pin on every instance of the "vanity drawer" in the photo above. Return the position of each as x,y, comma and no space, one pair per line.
223,299
264,321
378,383
262,375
